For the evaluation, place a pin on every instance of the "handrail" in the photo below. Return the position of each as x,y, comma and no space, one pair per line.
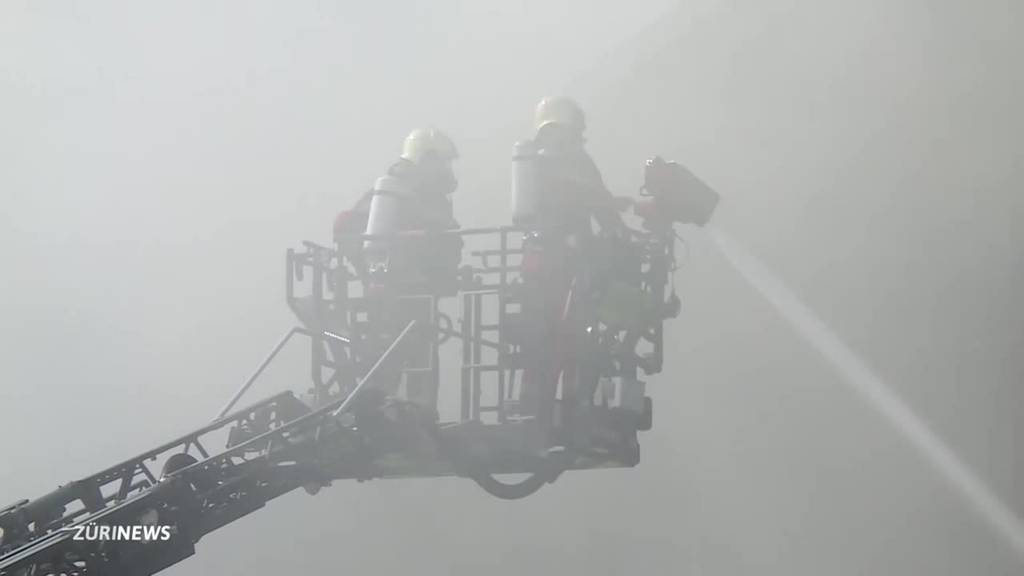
259,370
422,233
334,408
269,358
376,366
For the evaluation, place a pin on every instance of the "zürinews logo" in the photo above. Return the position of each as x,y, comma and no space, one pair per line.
93,532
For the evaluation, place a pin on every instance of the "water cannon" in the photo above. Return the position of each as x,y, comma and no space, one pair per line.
671,194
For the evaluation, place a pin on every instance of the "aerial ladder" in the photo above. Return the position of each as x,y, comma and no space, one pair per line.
378,346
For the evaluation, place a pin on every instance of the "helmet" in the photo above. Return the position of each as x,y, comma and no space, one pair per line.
559,110
424,142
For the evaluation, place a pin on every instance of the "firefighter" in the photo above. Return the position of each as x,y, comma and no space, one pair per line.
415,195
410,261
572,192
558,193
425,174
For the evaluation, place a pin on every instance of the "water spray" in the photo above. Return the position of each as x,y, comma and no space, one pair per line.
865,382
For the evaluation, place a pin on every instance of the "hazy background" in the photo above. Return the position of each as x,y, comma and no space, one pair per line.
157,159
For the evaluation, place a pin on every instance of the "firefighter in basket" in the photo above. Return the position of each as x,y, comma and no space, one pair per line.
405,262
558,194
589,298
413,196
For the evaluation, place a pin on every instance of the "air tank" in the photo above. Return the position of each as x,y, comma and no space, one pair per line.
385,210
526,182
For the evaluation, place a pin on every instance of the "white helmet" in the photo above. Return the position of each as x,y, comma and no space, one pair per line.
559,110
423,142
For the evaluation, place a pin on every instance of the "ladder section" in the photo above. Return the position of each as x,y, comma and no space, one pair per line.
273,447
